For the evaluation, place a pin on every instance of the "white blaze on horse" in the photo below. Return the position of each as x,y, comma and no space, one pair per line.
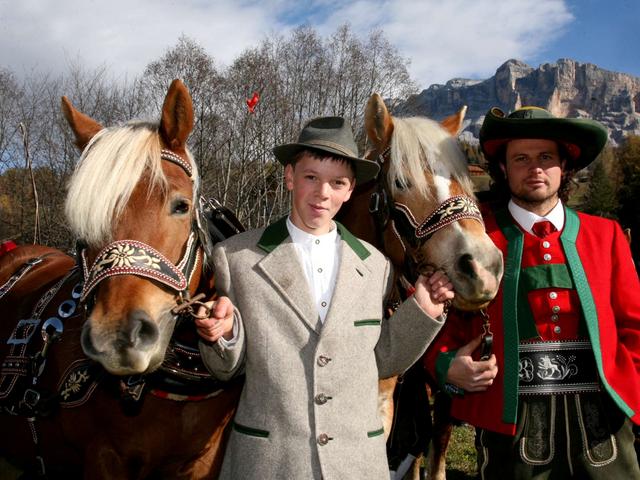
421,212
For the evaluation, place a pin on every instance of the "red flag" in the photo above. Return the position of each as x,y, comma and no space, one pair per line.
253,101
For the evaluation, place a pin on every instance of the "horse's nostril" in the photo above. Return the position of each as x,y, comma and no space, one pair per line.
143,332
465,265
85,341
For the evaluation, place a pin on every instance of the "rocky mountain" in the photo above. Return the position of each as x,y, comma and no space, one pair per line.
566,88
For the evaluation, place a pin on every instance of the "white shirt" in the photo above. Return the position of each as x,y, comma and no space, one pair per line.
526,219
320,258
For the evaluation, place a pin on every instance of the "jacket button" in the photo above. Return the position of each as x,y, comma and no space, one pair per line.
323,439
321,399
322,360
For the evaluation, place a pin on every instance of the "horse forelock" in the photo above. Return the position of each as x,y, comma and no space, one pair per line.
419,144
112,164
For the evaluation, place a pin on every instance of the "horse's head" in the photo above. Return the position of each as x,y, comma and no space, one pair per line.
132,202
433,221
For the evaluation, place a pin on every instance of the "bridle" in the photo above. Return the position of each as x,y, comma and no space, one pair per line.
388,213
132,257
407,229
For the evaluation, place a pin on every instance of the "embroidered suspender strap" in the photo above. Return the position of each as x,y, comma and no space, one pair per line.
568,239
550,368
510,282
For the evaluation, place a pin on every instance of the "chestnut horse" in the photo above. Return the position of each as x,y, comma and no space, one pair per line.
109,385
421,212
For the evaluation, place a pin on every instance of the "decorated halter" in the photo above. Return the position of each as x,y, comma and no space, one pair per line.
404,223
132,257
451,210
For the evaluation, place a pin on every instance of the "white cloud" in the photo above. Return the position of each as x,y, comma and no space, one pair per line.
460,38
125,35
443,39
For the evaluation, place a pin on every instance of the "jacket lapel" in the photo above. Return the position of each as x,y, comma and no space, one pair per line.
282,267
351,283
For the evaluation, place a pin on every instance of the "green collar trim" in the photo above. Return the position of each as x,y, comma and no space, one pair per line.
277,232
274,235
568,239
510,281
350,239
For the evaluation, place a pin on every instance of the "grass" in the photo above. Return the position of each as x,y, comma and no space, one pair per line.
461,455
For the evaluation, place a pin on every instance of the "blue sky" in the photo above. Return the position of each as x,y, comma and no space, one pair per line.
606,33
442,38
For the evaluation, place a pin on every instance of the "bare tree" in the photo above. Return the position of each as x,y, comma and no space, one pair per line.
298,76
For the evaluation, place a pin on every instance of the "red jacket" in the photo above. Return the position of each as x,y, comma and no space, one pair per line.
606,281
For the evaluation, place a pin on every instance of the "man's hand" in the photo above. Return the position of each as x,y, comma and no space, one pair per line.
220,321
433,292
469,374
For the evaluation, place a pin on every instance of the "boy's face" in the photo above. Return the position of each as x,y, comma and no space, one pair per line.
318,190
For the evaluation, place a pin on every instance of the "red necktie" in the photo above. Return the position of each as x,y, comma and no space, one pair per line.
543,228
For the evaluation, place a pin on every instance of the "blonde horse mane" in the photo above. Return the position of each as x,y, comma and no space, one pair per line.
419,144
110,167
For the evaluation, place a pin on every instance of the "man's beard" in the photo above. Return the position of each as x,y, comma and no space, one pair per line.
531,202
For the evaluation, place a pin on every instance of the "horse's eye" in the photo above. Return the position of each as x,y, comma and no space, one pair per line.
180,207
402,186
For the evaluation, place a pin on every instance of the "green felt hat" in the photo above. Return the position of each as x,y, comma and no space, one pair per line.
332,135
583,139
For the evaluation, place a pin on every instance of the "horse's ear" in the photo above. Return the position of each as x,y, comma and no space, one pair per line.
453,123
377,122
177,116
83,126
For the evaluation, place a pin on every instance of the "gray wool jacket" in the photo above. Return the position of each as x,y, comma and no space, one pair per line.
309,407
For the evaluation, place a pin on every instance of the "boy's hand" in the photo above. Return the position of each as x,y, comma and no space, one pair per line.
433,292
220,321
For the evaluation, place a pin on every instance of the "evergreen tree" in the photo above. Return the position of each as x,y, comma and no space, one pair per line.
629,191
600,198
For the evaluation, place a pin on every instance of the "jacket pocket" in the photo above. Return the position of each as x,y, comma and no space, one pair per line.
252,432
363,323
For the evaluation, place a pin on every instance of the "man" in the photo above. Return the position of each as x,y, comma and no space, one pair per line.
308,328
555,398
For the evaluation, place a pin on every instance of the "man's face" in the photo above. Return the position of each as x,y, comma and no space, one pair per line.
318,190
533,169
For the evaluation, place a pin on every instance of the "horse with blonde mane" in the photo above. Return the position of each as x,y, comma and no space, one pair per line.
100,374
421,212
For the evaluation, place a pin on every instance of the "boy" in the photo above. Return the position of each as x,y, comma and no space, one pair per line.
301,313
